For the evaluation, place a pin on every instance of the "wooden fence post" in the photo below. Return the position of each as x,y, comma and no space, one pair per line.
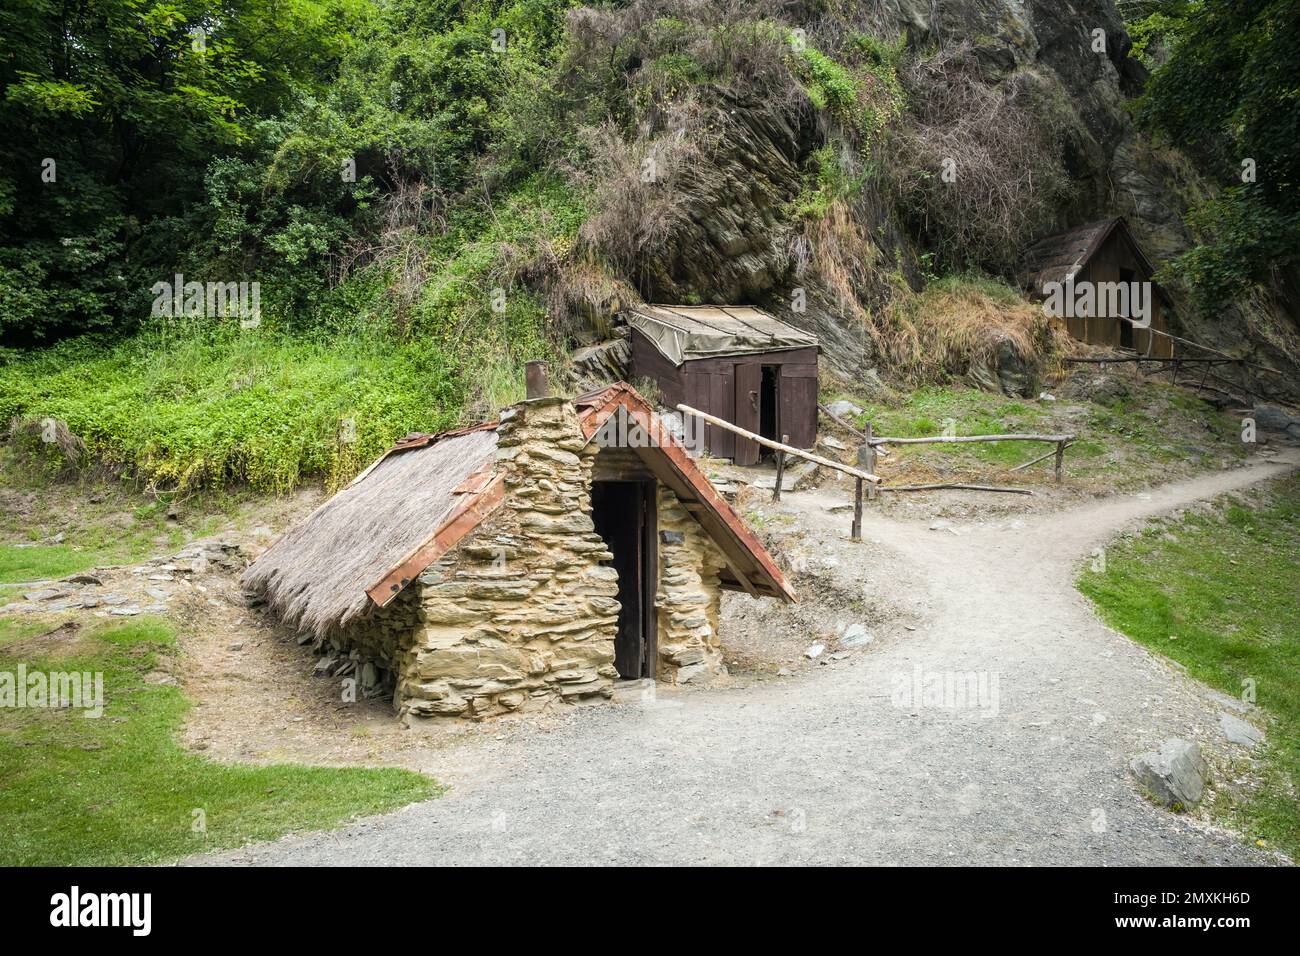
780,468
857,510
1060,458
867,459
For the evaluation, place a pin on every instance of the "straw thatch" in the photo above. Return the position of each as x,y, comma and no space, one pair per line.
314,578
1057,257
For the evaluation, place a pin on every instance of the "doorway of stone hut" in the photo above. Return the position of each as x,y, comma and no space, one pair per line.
624,513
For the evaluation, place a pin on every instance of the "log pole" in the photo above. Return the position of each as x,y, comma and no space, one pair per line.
867,459
776,445
857,510
960,439
780,469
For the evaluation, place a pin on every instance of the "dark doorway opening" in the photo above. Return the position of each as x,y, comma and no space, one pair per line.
1126,277
769,404
624,514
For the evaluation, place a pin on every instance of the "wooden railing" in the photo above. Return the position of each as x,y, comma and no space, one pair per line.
860,476
867,458
1060,441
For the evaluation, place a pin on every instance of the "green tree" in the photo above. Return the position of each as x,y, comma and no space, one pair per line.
110,112
1229,95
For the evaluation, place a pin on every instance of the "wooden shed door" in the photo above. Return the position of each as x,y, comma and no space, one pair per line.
712,392
749,383
625,515
798,398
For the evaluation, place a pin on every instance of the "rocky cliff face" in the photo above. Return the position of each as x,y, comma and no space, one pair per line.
737,240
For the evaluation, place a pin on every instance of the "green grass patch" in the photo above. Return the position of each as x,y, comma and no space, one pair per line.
1154,431
934,410
37,563
224,404
198,403
1220,593
118,790
50,529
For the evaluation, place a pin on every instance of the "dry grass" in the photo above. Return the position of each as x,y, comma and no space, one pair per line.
314,578
957,323
638,183
52,434
1006,167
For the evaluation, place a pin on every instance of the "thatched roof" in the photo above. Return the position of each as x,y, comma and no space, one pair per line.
1062,255
363,546
314,578
749,567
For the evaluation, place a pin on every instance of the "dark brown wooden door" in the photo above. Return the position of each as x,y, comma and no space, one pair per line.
721,405
749,382
624,513
798,399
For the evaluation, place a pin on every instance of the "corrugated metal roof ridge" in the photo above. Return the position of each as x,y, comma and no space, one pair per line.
725,310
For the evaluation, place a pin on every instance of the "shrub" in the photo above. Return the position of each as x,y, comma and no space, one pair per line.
1008,172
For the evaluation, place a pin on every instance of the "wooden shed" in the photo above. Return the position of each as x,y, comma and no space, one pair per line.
1091,257
734,362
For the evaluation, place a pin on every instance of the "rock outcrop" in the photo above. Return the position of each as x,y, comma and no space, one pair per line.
737,239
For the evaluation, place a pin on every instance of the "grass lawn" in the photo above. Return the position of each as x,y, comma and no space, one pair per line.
119,790
1220,593
1153,431
52,528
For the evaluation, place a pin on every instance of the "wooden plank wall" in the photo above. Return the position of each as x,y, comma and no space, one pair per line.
710,384
1105,266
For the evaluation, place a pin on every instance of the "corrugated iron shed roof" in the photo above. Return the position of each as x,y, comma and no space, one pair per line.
685,332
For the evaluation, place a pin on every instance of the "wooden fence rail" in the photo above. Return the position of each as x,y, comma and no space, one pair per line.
781,449
1061,442
867,458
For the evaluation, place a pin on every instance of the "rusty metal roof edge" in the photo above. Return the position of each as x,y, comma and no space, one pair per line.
666,443
468,515
420,440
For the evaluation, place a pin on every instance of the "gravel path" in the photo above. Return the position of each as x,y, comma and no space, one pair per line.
836,765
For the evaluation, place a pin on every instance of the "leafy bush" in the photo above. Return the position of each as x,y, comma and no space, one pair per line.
1242,237
189,407
1226,95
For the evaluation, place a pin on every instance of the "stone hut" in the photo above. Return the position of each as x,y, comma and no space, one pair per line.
519,564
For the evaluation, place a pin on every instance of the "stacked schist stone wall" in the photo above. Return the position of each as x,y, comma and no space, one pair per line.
689,597
375,646
521,613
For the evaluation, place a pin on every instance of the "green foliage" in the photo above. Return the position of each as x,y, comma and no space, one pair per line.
108,116
1220,593
1230,97
190,407
862,92
223,156
1244,237
196,402
1156,25
827,183
829,85
126,791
